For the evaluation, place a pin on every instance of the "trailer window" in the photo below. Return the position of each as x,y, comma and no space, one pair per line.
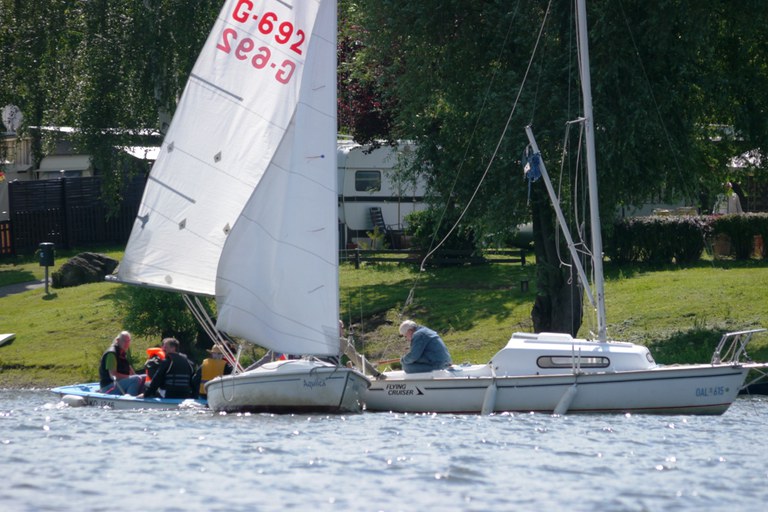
569,362
367,181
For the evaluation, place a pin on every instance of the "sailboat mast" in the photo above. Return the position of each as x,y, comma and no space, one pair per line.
589,132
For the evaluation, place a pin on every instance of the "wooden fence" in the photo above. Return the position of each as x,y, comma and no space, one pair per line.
68,212
442,258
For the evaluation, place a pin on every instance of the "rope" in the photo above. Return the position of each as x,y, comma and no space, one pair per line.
429,253
220,339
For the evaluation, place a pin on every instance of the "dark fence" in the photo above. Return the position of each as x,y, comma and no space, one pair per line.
442,258
68,212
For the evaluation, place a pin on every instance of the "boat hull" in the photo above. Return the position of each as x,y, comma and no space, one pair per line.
688,389
88,395
293,386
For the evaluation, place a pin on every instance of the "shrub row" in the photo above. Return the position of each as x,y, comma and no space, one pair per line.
664,239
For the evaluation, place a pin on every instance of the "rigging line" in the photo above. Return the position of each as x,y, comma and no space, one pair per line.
566,136
196,307
559,192
580,224
411,294
467,147
498,143
683,181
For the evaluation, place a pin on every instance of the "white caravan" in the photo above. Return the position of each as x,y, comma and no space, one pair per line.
370,179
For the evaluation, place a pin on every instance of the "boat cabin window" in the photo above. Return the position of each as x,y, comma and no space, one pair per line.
570,362
367,181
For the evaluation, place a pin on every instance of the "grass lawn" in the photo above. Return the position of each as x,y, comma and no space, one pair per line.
679,312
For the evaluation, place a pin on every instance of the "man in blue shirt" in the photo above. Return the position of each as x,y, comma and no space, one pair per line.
428,351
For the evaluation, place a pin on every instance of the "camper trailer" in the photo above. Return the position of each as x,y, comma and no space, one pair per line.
373,194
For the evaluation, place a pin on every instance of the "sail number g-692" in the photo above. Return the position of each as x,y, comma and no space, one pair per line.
245,48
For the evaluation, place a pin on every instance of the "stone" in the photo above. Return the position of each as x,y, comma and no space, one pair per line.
86,267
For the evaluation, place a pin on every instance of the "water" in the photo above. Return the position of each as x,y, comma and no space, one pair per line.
60,458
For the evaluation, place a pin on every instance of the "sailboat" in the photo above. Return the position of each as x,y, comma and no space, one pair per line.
556,373
241,204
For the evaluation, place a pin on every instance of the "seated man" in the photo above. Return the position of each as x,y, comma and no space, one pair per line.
173,378
116,375
428,351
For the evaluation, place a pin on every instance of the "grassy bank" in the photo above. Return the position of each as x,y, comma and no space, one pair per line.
679,312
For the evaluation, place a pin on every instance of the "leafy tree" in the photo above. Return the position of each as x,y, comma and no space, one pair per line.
160,314
109,68
666,75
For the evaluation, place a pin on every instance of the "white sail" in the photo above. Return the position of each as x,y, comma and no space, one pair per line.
239,101
277,282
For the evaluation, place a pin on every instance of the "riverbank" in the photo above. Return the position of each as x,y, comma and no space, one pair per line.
679,312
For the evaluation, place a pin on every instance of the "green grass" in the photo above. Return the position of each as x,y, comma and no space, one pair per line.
679,312
60,336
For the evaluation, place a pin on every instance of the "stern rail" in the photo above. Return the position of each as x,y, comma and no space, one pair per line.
733,346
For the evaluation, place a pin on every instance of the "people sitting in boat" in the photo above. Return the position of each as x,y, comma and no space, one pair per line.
174,377
428,351
212,367
116,375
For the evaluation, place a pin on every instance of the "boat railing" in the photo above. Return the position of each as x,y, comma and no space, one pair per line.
732,346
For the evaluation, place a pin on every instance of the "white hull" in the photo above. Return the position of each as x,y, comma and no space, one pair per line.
694,389
292,386
79,395
554,373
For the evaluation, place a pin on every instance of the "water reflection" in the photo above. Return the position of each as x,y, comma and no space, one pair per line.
64,458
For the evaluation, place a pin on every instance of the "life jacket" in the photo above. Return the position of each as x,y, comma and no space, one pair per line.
155,351
155,356
177,379
123,366
210,369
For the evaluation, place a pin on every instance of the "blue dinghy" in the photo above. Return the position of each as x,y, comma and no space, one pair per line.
78,395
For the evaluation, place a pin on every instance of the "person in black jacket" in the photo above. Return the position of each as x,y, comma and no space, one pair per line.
174,377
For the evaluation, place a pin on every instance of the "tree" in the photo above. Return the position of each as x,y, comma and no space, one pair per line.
454,75
663,75
109,68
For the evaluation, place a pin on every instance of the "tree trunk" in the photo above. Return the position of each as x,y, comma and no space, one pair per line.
558,306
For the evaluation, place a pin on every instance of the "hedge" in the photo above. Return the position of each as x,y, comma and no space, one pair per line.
681,239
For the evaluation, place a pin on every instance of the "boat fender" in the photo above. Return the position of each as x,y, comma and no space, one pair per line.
74,400
566,401
489,402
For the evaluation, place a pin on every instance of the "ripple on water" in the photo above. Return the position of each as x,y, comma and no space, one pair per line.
199,460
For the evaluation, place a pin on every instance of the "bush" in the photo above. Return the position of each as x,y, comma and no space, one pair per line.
423,225
657,239
160,314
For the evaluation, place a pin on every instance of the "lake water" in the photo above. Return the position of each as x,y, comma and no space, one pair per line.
60,458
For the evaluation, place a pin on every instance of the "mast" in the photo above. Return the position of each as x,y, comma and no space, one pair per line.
589,132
